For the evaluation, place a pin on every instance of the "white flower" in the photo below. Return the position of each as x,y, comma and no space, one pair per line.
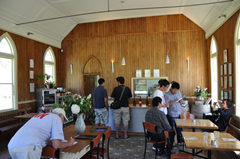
205,89
75,109
81,102
89,96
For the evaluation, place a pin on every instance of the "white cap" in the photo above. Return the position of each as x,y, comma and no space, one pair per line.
60,111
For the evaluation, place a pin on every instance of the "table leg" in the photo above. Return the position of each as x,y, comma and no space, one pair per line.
193,152
209,154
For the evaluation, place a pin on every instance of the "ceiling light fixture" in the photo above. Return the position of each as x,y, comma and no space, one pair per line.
123,61
222,15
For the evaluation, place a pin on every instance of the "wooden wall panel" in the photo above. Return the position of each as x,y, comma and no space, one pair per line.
225,40
144,42
29,49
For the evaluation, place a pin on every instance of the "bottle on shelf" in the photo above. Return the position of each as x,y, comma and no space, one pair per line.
147,102
134,100
140,101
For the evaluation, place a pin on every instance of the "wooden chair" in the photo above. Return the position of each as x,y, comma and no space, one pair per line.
188,116
177,156
102,150
152,127
226,127
50,152
95,142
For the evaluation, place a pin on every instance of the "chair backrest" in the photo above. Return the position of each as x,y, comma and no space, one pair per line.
181,156
188,116
107,134
95,141
149,126
228,124
50,152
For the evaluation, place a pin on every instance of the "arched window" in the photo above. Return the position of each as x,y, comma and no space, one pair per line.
49,64
214,69
237,65
8,69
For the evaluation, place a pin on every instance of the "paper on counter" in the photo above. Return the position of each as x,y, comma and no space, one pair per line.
190,138
229,139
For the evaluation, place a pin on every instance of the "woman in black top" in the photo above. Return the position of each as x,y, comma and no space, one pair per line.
225,114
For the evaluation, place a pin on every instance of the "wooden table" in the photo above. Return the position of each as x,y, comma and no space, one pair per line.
83,145
206,144
200,123
25,116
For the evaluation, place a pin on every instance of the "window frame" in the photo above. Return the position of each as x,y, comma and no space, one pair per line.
214,55
237,65
13,57
49,49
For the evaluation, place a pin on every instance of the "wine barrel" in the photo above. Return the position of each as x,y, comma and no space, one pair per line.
198,110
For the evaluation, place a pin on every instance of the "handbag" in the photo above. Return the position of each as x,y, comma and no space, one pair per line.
116,104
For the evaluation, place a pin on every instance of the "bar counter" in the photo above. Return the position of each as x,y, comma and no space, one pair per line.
137,116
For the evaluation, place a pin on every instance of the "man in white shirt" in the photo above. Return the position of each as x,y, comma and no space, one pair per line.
29,140
163,86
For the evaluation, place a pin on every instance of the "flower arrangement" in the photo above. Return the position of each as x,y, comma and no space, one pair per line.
201,92
75,104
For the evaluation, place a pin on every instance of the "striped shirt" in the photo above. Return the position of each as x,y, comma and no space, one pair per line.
157,117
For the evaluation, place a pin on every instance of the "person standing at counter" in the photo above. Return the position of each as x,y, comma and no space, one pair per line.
163,86
174,98
123,112
100,99
157,117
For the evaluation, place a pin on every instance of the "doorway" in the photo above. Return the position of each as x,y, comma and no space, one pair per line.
90,82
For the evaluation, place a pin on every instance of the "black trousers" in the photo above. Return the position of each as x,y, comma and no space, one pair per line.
161,137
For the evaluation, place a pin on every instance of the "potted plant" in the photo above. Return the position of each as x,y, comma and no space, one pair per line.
201,93
41,77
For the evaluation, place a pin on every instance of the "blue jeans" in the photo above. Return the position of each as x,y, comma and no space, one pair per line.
171,121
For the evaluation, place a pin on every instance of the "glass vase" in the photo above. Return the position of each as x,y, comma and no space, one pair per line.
80,124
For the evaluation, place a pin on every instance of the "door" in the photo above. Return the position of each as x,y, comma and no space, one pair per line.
90,82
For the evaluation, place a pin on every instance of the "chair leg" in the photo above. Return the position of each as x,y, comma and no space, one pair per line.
145,148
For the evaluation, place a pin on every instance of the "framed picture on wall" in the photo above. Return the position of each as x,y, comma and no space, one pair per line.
138,73
147,73
225,82
230,81
221,81
31,63
222,94
225,95
225,69
230,94
221,69
31,87
156,73
230,68
31,74
225,55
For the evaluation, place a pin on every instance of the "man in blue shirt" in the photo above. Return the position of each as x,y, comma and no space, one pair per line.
100,99
174,98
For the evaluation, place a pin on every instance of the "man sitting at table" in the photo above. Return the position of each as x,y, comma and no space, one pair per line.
225,114
158,118
174,110
29,140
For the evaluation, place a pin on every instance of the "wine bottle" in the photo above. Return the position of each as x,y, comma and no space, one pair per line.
140,101
134,101
147,101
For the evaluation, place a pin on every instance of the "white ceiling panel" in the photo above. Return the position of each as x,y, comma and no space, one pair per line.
24,9
21,11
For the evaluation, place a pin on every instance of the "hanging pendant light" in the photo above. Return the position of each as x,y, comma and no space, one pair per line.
123,61
167,60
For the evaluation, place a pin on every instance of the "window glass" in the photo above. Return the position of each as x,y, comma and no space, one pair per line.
214,47
6,96
6,70
48,57
49,71
4,46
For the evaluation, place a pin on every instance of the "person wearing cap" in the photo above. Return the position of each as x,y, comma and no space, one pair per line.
29,140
